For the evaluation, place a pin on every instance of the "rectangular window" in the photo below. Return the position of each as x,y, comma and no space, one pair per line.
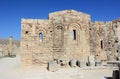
101,44
74,34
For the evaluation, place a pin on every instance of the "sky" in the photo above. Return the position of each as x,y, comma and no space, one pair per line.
11,12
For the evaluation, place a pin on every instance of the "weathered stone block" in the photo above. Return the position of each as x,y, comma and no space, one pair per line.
52,66
73,63
91,58
81,63
113,63
92,63
98,63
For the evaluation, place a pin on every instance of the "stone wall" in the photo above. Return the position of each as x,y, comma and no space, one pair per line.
57,41
67,35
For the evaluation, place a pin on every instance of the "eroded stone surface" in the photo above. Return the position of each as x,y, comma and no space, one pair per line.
9,47
68,35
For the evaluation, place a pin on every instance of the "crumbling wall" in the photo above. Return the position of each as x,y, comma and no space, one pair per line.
116,27
75,26
57,41
68,35
97,39
36,41
9,47
103,41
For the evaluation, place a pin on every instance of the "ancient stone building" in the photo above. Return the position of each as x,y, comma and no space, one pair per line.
9,47
67,35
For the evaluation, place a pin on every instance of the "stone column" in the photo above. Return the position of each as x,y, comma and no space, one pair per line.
10,44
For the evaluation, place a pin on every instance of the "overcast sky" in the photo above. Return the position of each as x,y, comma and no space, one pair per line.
11,11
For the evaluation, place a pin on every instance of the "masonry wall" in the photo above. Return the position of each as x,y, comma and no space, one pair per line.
58,41
67,35
34,50
70,21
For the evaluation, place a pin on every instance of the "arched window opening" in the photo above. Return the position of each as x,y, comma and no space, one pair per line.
41,36
74,34
101,42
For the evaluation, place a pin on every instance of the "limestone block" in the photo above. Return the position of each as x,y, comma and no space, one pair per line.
81,63
73,62
92,63
98,63
52,66
91,58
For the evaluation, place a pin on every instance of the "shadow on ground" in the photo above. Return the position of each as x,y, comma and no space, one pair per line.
108,77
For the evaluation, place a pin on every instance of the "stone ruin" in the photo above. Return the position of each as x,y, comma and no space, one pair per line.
68,35
9,47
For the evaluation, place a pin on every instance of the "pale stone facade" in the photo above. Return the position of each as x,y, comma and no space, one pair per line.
67,35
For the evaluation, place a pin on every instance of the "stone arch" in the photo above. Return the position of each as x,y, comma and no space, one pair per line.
58,34
41,29
76,25
41,35
74,32
59,25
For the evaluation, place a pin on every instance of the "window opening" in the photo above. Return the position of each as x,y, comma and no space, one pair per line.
74,34
41,36
101,44
26,32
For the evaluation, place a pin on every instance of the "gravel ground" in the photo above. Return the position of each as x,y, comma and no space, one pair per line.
10,69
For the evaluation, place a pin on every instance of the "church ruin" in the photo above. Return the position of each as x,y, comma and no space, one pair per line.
67,35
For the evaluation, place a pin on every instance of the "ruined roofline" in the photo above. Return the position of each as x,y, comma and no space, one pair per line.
68,11
116,20
28,20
